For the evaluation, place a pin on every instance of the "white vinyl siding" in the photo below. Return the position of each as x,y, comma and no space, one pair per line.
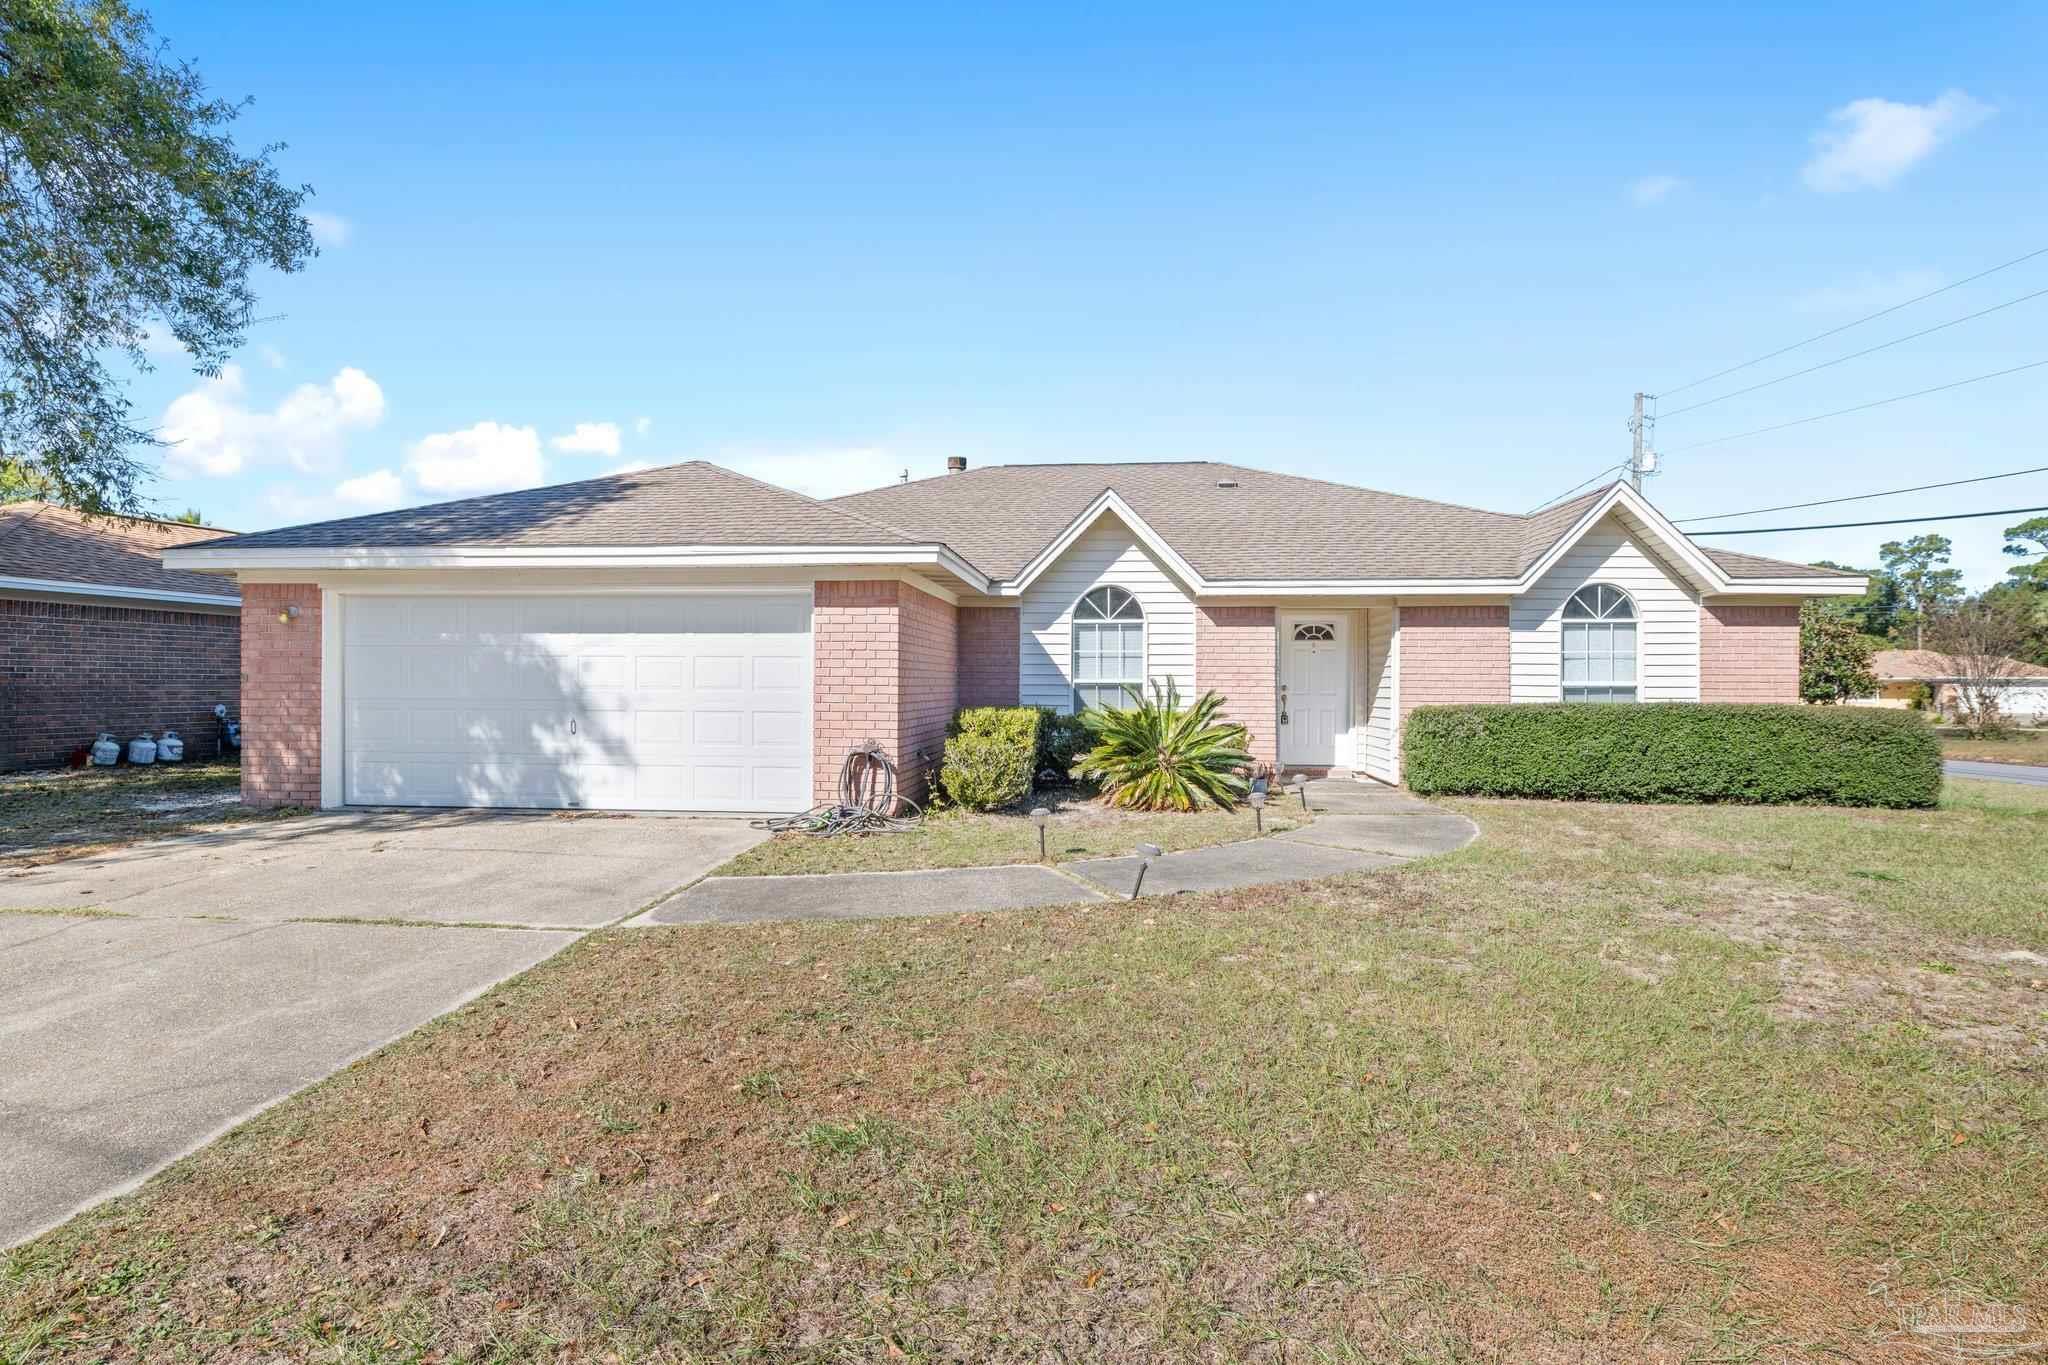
1106,554
1379,750
1667,627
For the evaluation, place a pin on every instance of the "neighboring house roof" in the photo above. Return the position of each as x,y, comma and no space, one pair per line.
44,547
1217,524
679,504
1927,665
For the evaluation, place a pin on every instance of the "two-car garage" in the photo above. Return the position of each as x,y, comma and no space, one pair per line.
672,701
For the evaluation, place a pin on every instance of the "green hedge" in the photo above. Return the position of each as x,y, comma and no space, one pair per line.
1676,751
991,756
1062,739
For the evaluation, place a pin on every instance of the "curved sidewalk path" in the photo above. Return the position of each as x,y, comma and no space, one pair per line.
1358,827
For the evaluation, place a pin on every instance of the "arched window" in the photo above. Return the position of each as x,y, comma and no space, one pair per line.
1599,645
1109,648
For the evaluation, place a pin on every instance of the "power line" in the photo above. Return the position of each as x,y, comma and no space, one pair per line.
1872,317
1865,407
1844,525
1858,355
1858,497
1574,488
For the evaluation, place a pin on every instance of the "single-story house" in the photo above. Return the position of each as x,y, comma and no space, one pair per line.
97,634
686,638
1905,676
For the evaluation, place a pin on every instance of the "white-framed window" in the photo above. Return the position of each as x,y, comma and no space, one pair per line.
1109,648
1600,645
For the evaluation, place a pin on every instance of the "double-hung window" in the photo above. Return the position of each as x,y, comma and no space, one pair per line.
1108,648
1599,645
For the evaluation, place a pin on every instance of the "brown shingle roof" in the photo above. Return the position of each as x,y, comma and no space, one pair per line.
680,504
1228,521
1913,665
42,540
1263,526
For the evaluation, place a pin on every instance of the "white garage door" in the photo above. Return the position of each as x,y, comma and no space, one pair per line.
684,702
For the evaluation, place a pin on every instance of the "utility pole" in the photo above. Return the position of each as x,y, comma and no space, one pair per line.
1642,453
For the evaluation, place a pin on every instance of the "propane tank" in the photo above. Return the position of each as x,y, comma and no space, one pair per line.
142,749
106,752
170,749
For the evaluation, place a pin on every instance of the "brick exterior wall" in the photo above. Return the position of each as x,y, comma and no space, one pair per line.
1236,655
991,652
886,668
1749,652
280,695
69,670
1453,655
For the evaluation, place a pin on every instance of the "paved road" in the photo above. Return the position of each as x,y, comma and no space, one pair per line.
2033,775
220,973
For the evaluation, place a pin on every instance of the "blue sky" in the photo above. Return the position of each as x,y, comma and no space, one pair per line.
1433,252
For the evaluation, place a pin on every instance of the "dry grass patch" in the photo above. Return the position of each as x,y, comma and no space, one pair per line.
2018,746
1079,827
50,815
1417,1115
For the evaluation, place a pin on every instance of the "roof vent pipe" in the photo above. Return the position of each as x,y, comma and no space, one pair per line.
956,464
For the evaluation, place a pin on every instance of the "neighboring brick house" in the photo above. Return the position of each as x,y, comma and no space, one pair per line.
686,638
97,634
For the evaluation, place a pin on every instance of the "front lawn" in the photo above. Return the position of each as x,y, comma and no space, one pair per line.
1613,1084
1078,828
2017,746
61,813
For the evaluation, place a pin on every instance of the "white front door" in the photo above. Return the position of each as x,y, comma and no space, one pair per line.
1315,689
686,701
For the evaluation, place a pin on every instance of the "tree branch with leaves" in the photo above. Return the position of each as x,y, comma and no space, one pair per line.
124,205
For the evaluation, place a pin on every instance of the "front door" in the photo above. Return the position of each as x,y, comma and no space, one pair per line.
1315,689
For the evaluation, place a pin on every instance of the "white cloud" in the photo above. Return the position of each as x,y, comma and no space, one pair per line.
271,356
329,229
1652,189
589,438
379,490
630,467
486,458
211,430
1869,143
1867,292
642,425
823,473
159,344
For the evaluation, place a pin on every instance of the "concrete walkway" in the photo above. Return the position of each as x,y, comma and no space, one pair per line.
1359,827
2029,774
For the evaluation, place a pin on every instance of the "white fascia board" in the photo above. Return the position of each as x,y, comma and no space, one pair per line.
230,560
1708,575
1362,587
58,587
1106,504
1799,587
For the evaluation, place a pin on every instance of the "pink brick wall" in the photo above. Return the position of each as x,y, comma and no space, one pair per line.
280,695
887,669
1749,652
1235,655
69,670
1453,655
990,655
928,666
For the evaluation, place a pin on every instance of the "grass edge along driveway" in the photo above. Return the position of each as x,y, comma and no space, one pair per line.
1612,1084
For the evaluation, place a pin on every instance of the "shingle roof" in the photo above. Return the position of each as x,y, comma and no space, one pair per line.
1228,521
1912,665
1737,565
42,540
680,504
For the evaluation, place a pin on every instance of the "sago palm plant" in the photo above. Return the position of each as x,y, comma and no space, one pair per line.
1157,755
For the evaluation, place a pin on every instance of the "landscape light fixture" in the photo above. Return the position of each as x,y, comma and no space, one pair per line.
1146,853
1258,800
1298,784
1039,815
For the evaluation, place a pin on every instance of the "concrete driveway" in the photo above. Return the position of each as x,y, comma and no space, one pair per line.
154,997
2028,774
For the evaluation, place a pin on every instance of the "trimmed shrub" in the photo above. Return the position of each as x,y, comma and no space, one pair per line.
1675,752
991,756
1062,739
